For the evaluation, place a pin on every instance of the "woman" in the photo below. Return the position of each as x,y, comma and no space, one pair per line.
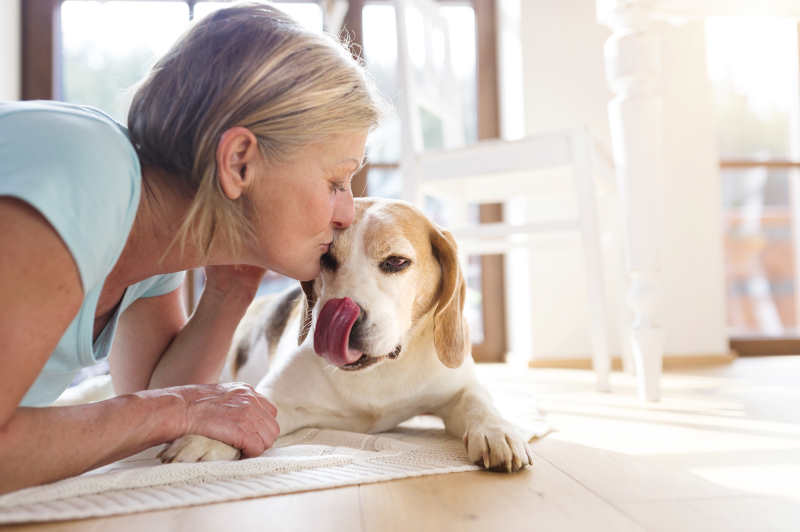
238,156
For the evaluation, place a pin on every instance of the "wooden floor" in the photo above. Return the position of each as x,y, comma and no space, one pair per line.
721,451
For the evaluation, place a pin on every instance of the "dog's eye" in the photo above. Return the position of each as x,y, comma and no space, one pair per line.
394,264
328,262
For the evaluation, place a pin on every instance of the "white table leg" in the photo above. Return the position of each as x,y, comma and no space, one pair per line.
633,68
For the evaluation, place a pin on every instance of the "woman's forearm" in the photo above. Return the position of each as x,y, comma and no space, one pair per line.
197,354
39,445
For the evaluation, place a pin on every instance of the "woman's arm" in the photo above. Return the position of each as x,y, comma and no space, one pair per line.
156,347
40,294
40,445
37,303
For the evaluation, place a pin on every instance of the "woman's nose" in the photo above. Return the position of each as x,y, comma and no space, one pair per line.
343,210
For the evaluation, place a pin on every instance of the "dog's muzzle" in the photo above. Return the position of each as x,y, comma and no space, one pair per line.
368,360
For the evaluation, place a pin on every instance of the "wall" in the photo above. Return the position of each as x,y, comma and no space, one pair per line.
10,74
563,86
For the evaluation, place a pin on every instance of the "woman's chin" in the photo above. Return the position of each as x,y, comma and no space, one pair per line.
306,270
305,273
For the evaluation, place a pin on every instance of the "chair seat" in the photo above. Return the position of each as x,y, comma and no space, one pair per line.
496,188
495,171
539,151
501,237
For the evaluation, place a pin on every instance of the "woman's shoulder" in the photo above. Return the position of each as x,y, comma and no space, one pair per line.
54,109
74,165
52,125
67,137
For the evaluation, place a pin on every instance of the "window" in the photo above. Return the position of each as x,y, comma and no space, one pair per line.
753,66
104,51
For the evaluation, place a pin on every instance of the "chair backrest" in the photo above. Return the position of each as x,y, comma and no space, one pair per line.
430,103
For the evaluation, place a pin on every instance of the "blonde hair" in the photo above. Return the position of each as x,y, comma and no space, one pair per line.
252,66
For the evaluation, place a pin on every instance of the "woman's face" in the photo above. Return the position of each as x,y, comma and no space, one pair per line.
301,201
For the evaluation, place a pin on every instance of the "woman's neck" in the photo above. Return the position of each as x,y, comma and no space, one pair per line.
150,249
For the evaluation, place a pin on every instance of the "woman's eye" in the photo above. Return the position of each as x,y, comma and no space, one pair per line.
394,264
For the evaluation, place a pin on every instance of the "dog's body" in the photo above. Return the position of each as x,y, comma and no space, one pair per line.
390,285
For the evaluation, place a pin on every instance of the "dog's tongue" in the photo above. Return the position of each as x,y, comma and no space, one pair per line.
332,332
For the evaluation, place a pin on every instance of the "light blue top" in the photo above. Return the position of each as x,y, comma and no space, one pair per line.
78,168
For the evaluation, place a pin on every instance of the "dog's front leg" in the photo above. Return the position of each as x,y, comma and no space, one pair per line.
491,441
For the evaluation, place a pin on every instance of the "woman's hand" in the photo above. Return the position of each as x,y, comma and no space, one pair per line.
232,413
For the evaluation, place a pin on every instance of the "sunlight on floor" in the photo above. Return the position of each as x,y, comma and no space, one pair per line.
758,479
692,435
700,417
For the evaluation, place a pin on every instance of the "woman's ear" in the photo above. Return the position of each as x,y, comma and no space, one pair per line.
237,156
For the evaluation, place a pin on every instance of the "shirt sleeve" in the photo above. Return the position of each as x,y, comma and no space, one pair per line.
79,170
163,284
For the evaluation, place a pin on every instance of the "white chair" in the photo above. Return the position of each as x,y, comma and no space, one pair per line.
436,163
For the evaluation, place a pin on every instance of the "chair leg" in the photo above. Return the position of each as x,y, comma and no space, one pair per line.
590,235
646,335
601,360
648,368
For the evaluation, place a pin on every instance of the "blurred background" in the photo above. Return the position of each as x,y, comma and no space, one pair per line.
731,98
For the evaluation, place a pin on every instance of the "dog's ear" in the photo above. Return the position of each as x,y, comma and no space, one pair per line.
450,332
308,305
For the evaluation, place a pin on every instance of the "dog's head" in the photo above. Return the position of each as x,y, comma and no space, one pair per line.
384,279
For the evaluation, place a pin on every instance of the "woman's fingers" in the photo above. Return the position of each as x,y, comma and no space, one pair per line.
233,413
272,408
261,439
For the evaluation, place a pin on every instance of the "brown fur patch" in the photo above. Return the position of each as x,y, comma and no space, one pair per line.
398,219
440,280
278,318
242,353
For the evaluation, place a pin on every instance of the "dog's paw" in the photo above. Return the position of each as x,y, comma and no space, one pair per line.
196,448
498,447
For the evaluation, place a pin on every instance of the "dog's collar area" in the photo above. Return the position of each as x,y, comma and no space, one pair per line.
368,360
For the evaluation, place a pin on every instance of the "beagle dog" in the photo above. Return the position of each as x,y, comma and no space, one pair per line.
382,338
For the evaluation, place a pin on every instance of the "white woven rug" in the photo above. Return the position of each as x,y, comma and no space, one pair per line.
309,459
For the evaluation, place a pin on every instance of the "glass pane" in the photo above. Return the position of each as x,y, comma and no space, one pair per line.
432,130
384,182
308,14
461,24
753,67
380,53
105,51
473,306
752,64
758,251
